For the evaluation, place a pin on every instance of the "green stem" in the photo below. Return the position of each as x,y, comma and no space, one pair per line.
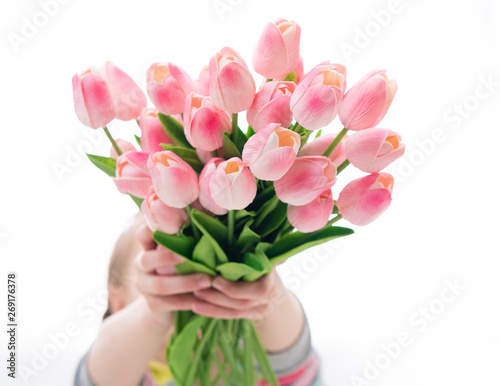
228,354
196,231
230,229
343,165
248,367
334,220
138,122
265,211
115,145
298,127
261,355
234,129
207,335
335,142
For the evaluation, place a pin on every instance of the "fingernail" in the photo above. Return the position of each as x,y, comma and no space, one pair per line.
217,284
204,281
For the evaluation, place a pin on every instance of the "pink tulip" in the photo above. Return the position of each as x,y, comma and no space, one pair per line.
367,102
271,152
365,199
132,174
232,87
125,147
316,100
271,105
232,186
174,181
320,144
306,180
202,83
161,217
128,98
371,150
168,86
152,131
92,98
312,216
204,123
277,51
206,175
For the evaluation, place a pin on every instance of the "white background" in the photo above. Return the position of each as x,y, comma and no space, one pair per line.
57,228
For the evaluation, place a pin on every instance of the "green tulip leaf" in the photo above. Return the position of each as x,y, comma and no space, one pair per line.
138,140
229,149
138,201
296,242
214,230
204,252
175,130
190,266
247,237
106,164
182,246
250,132
188,155
273,220
180,349
254,266
291,77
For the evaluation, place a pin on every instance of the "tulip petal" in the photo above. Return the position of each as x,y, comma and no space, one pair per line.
97,101
128,98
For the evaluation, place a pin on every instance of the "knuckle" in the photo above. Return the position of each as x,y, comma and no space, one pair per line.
158,284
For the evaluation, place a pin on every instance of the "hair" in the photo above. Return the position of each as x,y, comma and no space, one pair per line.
121,256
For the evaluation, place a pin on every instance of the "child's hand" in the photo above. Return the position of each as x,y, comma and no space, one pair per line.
238,300
158,282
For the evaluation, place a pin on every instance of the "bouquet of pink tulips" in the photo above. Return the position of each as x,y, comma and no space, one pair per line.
237,202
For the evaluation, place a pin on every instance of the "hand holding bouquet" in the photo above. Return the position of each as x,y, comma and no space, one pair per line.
235,203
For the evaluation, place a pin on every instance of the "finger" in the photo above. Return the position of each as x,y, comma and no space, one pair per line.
242,290
172,285
145,237
183,302
152,259
217,298
212,311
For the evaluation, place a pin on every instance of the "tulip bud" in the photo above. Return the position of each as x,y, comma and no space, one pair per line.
161,217
232,87
128,98
206,175
94,105
202,83
277,51
174,181
365,199
316,100
152,131
306,180
125,147
132,176
271,152
371,150
232,186
168,86
366,103
320,144
312,216
204,123
271,105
